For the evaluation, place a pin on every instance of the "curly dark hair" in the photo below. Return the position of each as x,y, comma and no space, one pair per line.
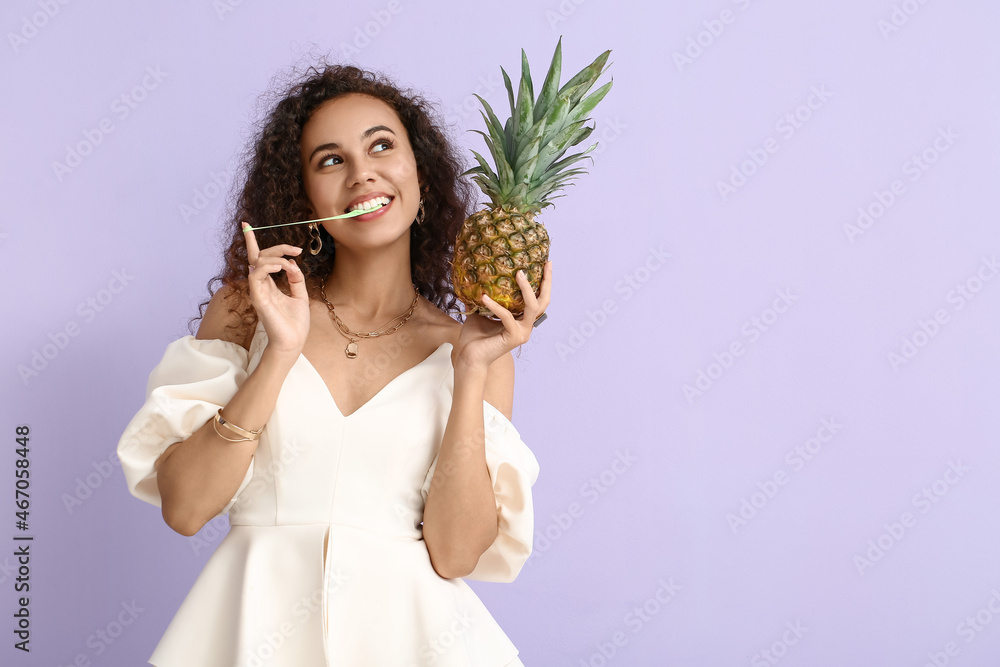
268,188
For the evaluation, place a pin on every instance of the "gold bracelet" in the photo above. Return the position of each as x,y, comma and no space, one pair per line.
224,437
247,435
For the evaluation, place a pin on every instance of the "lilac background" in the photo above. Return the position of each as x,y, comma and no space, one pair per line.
603,381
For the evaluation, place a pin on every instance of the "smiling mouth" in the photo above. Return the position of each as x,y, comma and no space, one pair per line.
370,205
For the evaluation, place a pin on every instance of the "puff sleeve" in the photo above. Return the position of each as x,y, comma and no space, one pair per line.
190,383
513,470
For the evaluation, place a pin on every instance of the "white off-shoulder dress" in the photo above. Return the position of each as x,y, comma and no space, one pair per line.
269,596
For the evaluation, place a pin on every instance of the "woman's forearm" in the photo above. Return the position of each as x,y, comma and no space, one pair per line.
198,477
460,515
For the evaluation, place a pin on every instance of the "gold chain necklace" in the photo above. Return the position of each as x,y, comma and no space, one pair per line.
352,347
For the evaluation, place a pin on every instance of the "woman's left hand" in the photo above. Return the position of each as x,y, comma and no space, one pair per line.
482,340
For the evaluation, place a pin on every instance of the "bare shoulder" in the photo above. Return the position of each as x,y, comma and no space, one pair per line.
499,389
223,319
446,328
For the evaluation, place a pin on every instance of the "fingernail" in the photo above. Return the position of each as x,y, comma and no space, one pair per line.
246,226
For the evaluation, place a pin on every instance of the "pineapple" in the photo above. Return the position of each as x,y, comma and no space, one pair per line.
496,242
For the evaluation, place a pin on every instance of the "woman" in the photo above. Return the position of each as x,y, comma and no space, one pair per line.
329,405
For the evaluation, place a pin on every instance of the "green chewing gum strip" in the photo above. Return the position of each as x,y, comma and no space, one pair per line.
247,228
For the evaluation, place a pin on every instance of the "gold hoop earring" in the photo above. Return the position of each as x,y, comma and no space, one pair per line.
315,241
420,213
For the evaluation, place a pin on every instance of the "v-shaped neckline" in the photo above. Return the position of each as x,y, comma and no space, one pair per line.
302,357
309,364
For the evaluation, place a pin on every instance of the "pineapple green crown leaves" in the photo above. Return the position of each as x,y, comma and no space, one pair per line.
528,148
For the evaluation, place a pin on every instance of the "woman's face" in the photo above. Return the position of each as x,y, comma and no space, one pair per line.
355,147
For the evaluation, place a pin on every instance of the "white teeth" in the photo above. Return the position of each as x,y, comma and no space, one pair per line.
371,203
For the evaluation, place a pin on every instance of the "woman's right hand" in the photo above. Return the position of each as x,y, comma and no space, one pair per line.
285,318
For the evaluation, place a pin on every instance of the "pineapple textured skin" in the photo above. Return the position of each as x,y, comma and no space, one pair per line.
492,246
